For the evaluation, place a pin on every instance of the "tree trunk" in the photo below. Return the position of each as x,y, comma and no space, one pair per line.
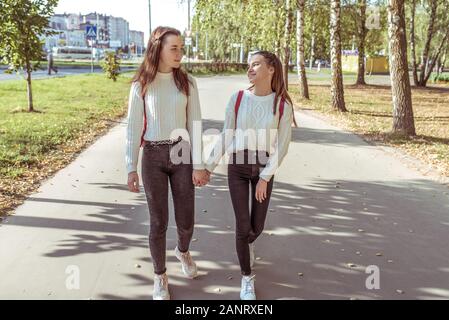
403,121
29,89
277,45
303,87
438,67
312,41
338,99
312,49
430,31
361,42
443,63
435,57
413,43
287,36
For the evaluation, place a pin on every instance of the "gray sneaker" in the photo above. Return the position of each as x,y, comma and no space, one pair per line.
248,292
188,265
252,257
160,291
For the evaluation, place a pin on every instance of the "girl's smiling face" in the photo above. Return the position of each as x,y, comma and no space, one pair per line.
259,69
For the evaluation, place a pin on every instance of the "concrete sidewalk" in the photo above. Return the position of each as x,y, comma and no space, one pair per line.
338,206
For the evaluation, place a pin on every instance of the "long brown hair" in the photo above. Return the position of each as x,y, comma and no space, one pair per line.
148,69
277,82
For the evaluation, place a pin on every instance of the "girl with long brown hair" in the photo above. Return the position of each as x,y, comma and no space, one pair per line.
164,101
257,131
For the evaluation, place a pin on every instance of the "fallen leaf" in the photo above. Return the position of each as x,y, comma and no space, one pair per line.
351,265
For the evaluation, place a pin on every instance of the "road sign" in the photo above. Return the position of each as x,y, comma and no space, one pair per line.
91,32
188,33
188,41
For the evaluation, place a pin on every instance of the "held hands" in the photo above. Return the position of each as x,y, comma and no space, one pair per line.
261,190
200,177
133,182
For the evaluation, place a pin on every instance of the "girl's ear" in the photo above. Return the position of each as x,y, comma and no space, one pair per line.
271,70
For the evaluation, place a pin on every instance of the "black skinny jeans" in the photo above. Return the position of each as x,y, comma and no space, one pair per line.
157,170
249,222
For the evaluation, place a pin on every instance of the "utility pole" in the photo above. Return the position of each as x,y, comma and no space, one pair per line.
189,30
196,44
149,14
188,14
207,47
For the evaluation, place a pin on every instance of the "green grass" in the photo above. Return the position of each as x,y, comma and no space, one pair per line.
443,77
67,107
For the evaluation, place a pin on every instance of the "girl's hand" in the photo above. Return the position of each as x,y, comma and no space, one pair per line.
133,182
261,190
200,177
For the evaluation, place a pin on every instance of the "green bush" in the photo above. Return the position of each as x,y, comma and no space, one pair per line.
111,65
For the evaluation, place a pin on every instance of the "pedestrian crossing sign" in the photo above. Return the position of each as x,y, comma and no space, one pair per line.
91,32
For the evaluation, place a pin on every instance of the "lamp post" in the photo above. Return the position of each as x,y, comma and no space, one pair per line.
149,14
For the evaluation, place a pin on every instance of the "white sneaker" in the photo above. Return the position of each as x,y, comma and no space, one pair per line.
160,291
252,258
188,265
248,291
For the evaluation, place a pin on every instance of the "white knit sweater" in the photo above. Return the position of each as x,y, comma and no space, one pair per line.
167,110
258,131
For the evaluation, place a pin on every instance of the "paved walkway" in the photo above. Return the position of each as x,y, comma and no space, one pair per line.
338,206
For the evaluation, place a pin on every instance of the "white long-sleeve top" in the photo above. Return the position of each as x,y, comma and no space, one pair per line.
168,110
257,129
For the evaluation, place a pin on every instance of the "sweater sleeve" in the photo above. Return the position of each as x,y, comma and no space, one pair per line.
281,144
225,138
194,124
134,127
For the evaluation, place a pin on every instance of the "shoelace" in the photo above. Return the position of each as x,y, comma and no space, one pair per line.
187,258
161,282
248,286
